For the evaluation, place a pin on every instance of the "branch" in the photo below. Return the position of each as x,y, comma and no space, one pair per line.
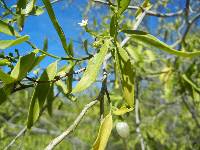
58,139
21,132
137,116
149,13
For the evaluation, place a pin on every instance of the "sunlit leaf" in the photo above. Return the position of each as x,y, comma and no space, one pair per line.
104,133
126,71
6,78
7,29
29,7
149,40
122,5
40,94
56,24
23,66
8,43
122,110
145,5
4,62
92,69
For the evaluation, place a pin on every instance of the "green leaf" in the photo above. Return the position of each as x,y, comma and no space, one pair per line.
122,110
6,78
5,91
104,133
50,98
8,43
7,29
127,75
23,66
149,40
92,69
40,94
4,62
29,7
122,5
56,24
20,22
145,5
37,11
113,26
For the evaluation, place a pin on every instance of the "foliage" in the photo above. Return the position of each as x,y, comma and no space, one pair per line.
144,81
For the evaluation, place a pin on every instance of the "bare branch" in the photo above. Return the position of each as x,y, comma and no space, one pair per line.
58,139
21,132
149,13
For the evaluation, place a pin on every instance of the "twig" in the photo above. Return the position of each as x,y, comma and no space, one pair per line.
16,137
149,13
137,116
58,139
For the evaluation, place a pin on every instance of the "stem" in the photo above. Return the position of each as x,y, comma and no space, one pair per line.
71,128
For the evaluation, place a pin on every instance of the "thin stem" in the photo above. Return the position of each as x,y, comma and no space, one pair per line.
71,128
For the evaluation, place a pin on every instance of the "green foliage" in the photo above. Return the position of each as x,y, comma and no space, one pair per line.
4,44
157,94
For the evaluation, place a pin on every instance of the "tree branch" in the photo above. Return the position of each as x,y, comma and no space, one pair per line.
149,13
58,139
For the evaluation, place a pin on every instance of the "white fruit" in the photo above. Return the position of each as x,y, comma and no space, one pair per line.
122,129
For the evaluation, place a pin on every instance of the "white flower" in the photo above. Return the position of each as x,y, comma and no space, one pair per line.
83,23
122,129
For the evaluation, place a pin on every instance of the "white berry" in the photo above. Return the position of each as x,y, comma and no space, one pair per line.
122,129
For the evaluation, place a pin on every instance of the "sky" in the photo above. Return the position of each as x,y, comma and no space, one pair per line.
68,16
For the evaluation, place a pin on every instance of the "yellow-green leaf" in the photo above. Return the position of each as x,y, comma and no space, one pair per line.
104,133
122,110
23,66
4,62
145,5
149,40
92,69
8,43
7,29
127,74
40,94
122,5
56,24
6,78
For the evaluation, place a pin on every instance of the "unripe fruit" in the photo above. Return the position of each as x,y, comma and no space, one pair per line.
122,129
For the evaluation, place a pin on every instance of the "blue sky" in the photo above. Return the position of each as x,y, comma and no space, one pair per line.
38,28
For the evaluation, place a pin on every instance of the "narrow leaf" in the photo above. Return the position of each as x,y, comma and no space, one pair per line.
23,66
40,94
113,26
104,133
56,24
7,29
127,75
149,40
92,69
8,43
122,5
